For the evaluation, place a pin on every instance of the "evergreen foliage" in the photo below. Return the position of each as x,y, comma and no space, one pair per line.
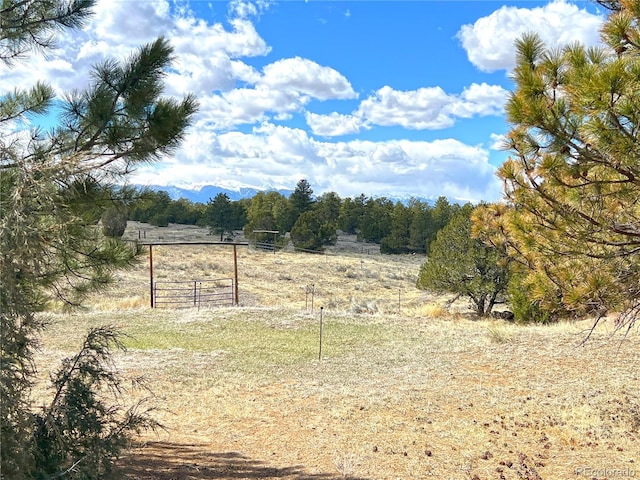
31,25
439,216
461,264
220,215
351,214
572,181
328,206
421,232
398,239
52,248
268,211
399,228
301,199
83,429
313,232
522,304
375,223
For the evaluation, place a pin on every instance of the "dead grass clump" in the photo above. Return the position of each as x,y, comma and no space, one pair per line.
345,464
499,332
368,307
335,304
432,310
350,273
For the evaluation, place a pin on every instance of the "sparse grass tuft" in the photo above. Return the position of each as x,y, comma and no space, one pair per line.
345,464
367,307
433,310
499,332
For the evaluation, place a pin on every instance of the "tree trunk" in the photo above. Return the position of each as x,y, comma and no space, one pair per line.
492,302
480,305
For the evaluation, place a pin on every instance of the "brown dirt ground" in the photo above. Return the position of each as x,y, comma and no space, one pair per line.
543,415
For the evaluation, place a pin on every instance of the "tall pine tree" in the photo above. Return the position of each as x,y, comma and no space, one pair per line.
51,247
573,179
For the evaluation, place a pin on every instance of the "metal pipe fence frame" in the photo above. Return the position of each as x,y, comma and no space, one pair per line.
194,293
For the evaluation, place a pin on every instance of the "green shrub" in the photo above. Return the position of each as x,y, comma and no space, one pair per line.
312,232
460,264
114,222
81,432
524,308
159,220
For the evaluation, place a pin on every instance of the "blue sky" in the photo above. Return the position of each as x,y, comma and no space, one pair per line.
385,98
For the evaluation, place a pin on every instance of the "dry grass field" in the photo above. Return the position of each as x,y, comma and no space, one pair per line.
403,388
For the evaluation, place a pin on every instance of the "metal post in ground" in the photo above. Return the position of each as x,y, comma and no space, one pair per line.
320,349
235,276
151,274
195,293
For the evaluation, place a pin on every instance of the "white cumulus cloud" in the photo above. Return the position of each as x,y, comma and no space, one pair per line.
417,109
428,108
308,77
279,156
489,42
333,124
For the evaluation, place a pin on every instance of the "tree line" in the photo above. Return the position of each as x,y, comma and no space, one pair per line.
311,221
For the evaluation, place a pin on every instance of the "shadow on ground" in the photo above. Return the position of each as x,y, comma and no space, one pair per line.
173,461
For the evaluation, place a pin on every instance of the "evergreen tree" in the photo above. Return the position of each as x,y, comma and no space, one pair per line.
573,217
328,205
239,213
419,231
220,215
376,220
313,232
158,213
461,264
51,249
267,211
440,215
301,199
398,239
351,213
183,211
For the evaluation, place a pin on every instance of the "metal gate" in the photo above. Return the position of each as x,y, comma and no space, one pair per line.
194,293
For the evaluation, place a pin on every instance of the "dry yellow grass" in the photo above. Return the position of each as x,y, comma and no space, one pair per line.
403,390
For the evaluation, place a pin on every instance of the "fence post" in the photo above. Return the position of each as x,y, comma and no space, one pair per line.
195,292
313,292
235,276
320,349
151,275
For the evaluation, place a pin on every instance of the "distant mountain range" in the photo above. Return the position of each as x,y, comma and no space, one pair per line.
203,194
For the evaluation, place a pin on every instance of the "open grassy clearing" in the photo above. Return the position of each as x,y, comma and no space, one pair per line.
403,390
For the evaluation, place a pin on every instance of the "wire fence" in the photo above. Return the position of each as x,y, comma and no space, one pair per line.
194,293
